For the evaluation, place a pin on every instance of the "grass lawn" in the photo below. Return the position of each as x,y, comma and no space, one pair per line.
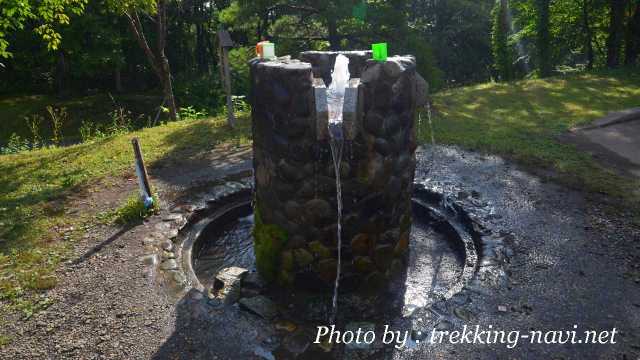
35,186
522,120
94,109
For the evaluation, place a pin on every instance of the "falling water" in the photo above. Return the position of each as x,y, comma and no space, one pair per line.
335,100
447,200
336,153
432,161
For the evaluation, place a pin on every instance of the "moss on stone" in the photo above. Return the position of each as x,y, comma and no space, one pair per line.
321,251
285,278
303,257
286,260
269,241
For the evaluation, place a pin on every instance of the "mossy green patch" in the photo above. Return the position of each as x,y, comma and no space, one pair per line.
303,257
132,211
319,250
269,242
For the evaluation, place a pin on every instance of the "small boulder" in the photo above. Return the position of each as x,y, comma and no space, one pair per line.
227,284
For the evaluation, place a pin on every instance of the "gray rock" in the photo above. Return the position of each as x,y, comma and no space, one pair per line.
227,284
166,245
179,277
173,217
261,306
444,325
296,343
319,209
149,260
170,264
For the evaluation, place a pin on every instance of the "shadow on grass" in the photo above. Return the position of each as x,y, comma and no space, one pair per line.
523,121
203,152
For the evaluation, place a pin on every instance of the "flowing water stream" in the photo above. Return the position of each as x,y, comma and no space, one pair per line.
335,100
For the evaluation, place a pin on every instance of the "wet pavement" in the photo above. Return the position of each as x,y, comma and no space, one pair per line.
613,140
562,272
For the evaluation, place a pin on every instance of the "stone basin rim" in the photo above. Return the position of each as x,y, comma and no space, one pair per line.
239,200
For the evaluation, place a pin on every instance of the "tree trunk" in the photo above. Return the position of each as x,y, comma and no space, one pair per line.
165,70
543,38
158,61
614,41
167,87
632,46
588,34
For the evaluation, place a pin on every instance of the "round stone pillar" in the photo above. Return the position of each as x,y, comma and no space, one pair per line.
295,185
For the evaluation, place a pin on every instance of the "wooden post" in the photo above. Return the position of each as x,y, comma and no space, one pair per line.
141,171
225,42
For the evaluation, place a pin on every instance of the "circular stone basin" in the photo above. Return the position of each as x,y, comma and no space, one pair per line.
441,259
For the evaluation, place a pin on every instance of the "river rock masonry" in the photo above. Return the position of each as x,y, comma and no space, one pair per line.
295,187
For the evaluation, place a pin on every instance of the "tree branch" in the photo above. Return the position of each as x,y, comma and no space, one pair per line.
138,32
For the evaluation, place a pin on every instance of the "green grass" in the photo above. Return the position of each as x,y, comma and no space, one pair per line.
132,211
522,121
94,109
35,188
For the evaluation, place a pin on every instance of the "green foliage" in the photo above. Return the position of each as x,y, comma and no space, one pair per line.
240,104
269,242
49,14
543,38
502,50
58,118
15,145
203,92
35,122
190,113
239,63
132,211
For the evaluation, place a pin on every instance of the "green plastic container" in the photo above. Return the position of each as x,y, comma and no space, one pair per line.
379,51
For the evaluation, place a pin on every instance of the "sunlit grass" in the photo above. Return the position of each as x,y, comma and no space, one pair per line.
522,121
34,190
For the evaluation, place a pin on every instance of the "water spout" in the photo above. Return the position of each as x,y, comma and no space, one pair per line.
335,100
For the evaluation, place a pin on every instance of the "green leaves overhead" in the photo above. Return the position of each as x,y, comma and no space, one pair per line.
48,14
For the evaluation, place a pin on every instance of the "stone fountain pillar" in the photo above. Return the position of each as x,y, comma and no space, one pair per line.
295,187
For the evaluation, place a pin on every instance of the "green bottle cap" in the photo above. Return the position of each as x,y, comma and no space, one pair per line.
379,51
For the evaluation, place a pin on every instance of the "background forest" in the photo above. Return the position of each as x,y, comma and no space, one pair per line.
102,66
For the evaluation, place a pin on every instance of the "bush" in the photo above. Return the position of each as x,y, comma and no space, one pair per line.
190,113
15,145
204,92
